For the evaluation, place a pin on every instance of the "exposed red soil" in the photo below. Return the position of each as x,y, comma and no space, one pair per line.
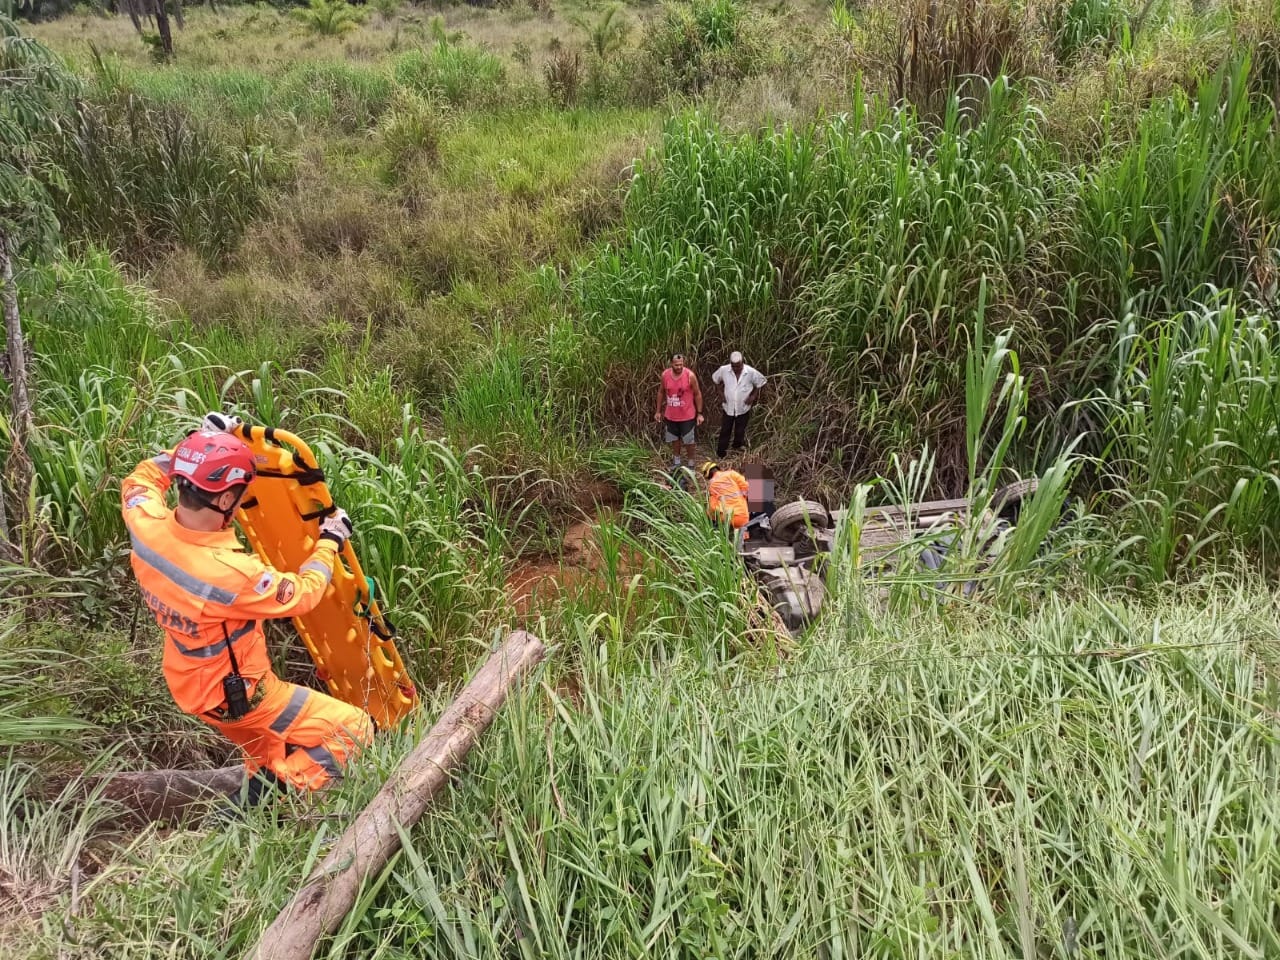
545,580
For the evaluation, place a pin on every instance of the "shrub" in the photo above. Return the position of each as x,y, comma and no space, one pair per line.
348,96
563,72
691,45
1154,218
1078,26
458,74
330,222
328,18
505,399
1193,452
142,175
411,133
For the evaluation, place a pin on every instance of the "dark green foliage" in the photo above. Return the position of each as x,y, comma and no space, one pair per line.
847,257
143,175
457,73
692,45
1193,436
1185,202
1082,26
35,93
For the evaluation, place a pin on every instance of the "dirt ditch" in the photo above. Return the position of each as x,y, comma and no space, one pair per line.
540,581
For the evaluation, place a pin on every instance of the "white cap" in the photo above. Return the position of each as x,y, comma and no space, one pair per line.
735,357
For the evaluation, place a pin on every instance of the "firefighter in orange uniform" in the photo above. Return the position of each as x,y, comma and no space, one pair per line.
210,597
726,495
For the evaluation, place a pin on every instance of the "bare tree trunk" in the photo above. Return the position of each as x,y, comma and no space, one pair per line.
162,24
323,901
135,14
18,469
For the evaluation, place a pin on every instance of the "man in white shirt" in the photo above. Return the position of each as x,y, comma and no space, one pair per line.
742,385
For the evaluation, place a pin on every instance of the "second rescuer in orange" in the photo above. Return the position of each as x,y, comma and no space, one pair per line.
210,596
726,495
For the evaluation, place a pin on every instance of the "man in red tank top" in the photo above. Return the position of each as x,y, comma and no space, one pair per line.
679,410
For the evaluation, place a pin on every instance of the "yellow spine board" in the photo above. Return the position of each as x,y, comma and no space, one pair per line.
360,667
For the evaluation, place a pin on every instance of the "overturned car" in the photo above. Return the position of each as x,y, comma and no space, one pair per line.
788,557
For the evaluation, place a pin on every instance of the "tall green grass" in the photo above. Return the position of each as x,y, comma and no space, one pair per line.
846,258
1193,457
25,714
844,255
1098,779
927,772
506,399
1160,214
348,96
459,74
432,537
321,93
911,791
138,174
114,384
1082,27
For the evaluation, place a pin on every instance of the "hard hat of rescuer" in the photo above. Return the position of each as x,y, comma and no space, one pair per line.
207,464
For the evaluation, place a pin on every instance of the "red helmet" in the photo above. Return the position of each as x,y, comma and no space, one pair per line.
213,462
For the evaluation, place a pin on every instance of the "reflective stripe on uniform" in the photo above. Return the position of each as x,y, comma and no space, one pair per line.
325,759
319,567
179,577
290,713
213,649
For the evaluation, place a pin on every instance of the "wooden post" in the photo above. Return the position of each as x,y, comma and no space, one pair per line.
329,893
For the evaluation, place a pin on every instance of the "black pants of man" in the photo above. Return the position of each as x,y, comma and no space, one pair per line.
737,426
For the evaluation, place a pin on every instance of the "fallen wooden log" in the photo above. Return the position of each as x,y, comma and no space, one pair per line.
363,850
148,796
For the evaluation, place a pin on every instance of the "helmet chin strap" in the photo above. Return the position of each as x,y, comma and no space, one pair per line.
227,514
207,501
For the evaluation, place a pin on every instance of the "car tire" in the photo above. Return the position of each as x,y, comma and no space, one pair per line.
790,521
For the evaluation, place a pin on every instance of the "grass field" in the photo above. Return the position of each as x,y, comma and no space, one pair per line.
453,247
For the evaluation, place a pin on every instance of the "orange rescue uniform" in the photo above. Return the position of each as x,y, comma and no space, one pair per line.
207,593
727,498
